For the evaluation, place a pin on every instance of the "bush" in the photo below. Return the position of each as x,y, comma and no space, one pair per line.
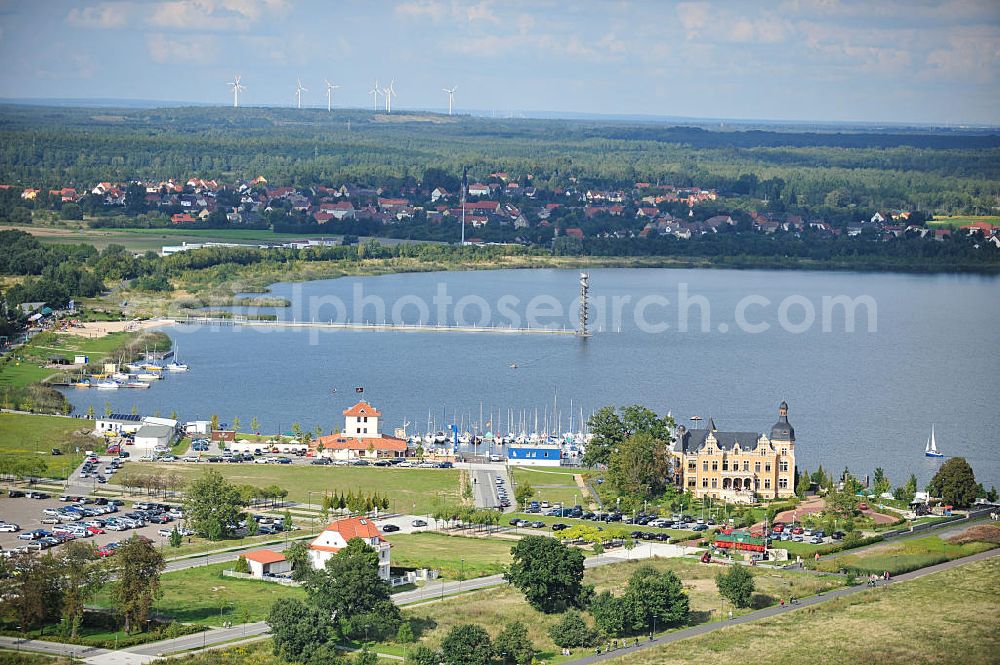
242,565
736,585
572,631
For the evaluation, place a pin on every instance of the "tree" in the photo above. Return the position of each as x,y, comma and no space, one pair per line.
651,593
350,590
107,409
881,482
236,424
404,635
138,565
215,422
242,565
213,505
84,576
572,631
254,425
253,526
33,591
90,412
467,644
908,491
736,585
512,646
842,503
365,657
297,554
639,466
955,483
175,537
610,613
548,573
298,628
523,494
610,429
423,655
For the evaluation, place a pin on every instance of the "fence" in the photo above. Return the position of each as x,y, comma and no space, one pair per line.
284,581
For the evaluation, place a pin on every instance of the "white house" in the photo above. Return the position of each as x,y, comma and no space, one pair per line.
150,437
479,189
118,423
267,562
334,538
360,437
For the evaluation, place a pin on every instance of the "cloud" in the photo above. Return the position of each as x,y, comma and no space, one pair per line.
762,31
694,17
221,15
437,10
103,16
181,48
419,8
974,55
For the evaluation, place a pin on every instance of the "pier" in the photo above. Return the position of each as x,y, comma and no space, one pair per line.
380,327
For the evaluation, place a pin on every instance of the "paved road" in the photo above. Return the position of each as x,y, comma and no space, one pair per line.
484,488
55,648
779,609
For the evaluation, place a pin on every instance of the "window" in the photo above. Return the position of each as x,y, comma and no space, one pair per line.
784,451
692,466
782,483
704,482
715,483
767,483
691,482
704,465
366,418
783,465
746,465
767,467
715,465
756,467
725,465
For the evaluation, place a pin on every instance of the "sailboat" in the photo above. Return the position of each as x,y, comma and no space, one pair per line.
177,366
931,449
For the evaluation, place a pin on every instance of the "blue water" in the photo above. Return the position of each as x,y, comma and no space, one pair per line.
858,399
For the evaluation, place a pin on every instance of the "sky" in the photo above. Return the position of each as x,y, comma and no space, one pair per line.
911,61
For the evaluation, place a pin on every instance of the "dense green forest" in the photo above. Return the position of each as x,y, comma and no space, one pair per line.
945,172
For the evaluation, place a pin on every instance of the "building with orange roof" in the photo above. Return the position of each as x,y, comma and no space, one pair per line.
334,538
361,437
267,562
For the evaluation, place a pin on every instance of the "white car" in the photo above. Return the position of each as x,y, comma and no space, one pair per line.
165,532
9,528
261,460
190,458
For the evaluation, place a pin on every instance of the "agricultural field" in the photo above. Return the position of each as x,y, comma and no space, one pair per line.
903,556
958,221
929,620
409,490
34,436
456,557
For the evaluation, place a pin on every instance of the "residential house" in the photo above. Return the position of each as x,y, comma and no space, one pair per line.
479,189
438,194
336,536
360,437
267,562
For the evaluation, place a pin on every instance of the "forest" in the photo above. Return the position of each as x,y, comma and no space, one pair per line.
941,171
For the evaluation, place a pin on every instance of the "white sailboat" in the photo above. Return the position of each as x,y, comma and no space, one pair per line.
931,449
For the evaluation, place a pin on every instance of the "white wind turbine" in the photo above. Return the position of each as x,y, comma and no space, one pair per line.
236,90
451,97
298,93
329,94
376,91
389,93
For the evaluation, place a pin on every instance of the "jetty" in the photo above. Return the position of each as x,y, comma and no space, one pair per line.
380,327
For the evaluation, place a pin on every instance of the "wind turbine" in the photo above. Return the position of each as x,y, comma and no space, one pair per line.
236,90
376,91
298,92
329,94
389,93
451,97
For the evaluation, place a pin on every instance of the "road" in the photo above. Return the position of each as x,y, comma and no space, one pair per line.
705,628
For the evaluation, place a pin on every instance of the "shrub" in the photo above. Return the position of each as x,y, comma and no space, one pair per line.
242,565
572,631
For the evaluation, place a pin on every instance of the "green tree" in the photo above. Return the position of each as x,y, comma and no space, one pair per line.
881,482
33,590
572,631
639,466
236,424
215,422
212,505
610,429
467,644
610,613
404,634
955,483
175,537
297,629
736,585
297,554
90,412
242,565
654,593
423,655
350,589
84,575
137,566
523,494
365,657
254,425
253,526
512,646
548,573
107,409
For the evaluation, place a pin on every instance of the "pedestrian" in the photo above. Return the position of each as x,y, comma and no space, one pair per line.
730,615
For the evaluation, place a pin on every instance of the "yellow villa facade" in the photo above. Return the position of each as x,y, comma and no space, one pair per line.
738,467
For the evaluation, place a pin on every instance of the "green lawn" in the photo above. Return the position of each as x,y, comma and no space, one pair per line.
23,435
455,557
409,490
556,486
203,596
936,619
11,657
902,556
958,221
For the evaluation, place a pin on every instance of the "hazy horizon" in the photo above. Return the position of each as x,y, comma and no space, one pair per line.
795,61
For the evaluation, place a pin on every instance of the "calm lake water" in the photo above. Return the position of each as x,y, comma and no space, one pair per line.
858,399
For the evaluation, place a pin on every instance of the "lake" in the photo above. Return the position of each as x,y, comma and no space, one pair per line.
730,345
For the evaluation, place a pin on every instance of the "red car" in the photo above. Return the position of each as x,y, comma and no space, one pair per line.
862,506
778,528
797,530
95,530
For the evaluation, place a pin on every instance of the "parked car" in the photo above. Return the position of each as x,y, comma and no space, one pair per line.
700,527
418,523
8,527
165,532
559,526
389,528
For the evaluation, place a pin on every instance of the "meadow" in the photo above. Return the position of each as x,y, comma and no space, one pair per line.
903,556
455,557
34,436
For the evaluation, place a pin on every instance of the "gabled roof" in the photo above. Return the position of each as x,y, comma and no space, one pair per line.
345,442
355,527
264,556
362,408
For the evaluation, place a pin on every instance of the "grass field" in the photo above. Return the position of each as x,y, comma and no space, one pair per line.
903,556
935,619
409,490
10,657
203,596
493,608
34,436
556,486
675,534
456,557
958,221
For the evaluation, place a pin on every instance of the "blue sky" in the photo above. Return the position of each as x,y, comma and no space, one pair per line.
878,61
